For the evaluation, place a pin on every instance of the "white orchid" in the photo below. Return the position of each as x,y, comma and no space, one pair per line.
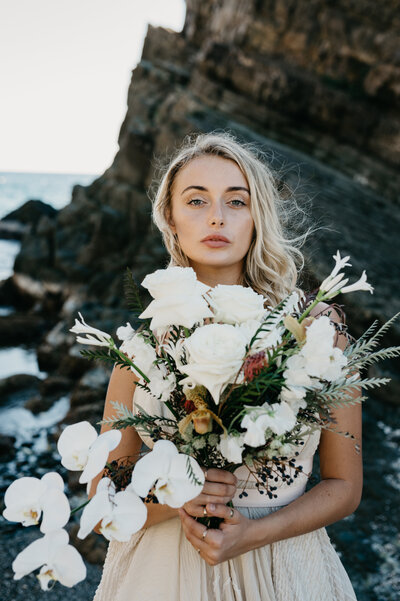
167,470
81,448
121,514
60,560
28,499
93,335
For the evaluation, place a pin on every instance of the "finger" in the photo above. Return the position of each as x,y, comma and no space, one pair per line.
192,527
229,514
219,489
194,533
215,474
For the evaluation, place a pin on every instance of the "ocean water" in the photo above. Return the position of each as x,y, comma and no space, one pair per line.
16,188
53,188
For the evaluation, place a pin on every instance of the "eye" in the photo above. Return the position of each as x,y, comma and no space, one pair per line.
242,203
195,200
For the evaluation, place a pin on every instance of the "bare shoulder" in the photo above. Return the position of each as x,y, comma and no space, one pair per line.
325,309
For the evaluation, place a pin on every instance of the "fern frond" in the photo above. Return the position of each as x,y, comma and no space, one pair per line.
131,289
364,346
386,353
189,470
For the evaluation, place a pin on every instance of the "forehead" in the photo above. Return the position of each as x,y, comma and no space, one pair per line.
212,172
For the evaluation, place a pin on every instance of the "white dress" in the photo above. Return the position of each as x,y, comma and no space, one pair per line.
160,564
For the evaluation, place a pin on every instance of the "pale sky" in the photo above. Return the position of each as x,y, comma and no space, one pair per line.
65,68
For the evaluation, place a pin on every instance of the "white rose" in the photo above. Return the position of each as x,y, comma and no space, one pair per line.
231,447
177,297
236,304
215,354
173,280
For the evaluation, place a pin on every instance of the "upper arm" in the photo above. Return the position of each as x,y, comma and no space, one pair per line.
121,388
338,456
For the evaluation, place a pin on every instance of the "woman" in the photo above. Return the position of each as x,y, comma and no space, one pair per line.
218,209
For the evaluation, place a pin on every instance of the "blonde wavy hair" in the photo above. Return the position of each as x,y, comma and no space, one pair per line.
273,261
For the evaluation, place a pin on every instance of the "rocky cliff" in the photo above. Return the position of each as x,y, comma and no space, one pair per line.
316,85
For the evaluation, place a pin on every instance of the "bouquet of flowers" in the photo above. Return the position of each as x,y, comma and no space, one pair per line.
236,384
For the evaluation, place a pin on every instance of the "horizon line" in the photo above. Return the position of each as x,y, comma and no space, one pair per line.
11,171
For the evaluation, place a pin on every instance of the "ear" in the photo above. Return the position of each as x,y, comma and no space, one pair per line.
171,222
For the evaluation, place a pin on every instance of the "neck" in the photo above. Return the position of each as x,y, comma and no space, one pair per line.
212,276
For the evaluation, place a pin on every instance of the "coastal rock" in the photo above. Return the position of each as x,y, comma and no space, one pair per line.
20,328
31,212
7,448
18,386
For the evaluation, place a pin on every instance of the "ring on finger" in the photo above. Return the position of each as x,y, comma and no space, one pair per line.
205,511
231,513
198,550
203,536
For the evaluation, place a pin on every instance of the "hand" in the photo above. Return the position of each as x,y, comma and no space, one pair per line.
219,488
235,536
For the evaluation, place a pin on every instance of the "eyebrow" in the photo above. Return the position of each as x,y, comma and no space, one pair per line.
229,189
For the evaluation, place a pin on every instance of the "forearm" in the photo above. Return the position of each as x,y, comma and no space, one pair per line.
156,513
327,502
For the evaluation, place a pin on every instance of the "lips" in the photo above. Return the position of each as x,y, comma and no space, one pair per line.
215,238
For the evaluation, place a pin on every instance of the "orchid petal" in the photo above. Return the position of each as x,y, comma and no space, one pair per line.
180,487
56,510
150,467
37,553
68,566
75,437
99,506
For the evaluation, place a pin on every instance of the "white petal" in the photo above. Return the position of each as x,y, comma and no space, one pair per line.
53,480
98,456
129,516
150,467
112,438
38,553
23,489
98,506
181,488
68,566
77,436
56,510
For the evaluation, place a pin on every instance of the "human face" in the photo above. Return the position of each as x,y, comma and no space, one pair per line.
211,197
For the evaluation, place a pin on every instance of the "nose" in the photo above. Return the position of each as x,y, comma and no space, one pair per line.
216,216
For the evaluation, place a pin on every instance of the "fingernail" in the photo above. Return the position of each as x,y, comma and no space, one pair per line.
212,507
